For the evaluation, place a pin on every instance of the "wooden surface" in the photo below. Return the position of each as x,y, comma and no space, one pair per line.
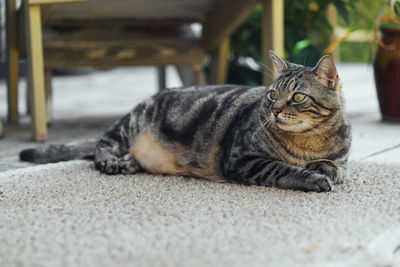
36,72
21,33
12,61
41,2
169,23
220,63
45,12
223,20
105,9
102,49
272,35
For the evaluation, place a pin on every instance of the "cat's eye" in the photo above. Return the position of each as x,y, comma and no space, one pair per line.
273,95
298,97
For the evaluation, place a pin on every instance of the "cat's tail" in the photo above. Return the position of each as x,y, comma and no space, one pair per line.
56,153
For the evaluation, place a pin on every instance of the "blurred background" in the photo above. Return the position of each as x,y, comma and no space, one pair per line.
311,26
343,28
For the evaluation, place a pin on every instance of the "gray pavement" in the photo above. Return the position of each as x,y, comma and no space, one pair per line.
84,105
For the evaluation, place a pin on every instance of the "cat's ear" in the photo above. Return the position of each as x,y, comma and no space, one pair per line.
326,71
280,64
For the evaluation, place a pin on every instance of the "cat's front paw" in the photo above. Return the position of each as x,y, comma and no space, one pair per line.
109,166
318,183
326,167
128,165
306,181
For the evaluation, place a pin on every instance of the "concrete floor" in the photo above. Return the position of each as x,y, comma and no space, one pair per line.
84,105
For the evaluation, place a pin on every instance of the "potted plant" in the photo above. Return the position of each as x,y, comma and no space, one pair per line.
387,61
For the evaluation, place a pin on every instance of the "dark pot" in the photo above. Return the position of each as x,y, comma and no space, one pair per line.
387,74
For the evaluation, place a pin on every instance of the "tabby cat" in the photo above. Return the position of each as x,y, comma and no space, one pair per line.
292,134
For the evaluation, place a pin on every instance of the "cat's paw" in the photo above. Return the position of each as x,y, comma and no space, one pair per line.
318,183
114,165
326,167
109,166
306,181
128,165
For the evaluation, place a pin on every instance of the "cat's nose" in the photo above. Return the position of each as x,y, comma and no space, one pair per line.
276,111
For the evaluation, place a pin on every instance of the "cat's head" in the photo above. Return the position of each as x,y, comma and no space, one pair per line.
302,97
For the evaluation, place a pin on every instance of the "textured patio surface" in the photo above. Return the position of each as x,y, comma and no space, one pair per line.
68,214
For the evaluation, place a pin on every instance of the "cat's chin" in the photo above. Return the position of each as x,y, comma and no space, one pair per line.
285,127
289,127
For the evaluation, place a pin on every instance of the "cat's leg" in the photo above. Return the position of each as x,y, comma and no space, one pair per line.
336,172
112,151
255,168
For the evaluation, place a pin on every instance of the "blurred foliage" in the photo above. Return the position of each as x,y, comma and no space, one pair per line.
390,14
356,52
246,40
307,34
363,15
366,15
307,29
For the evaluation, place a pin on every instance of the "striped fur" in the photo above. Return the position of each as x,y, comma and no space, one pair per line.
234,133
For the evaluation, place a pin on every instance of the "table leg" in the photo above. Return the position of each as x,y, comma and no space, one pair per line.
34,45
272,32
220,63
12,61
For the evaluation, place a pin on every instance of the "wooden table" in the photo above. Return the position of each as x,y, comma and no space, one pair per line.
218,17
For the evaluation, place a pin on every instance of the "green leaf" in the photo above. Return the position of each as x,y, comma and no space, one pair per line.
397,8
342,10
300,45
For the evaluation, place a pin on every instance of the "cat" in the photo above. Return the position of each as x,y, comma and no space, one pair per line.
292,134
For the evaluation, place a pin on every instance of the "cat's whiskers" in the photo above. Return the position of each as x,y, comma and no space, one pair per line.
261,126
271,70
266,73
266,124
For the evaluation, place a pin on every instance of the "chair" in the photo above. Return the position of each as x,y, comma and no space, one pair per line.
101,33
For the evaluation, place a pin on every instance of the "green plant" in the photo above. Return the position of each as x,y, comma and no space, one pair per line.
307,32
307,28
361,17
390,15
